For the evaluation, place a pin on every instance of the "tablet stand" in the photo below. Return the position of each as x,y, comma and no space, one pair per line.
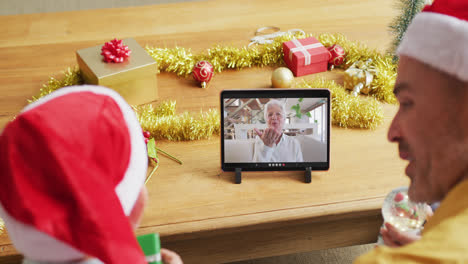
308,175
238,175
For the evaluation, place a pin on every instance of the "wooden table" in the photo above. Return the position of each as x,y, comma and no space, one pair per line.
195,207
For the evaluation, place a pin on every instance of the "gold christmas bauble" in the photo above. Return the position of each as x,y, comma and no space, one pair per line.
282,78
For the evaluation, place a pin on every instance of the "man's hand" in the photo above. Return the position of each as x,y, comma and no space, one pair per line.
269,136
393,237
170,257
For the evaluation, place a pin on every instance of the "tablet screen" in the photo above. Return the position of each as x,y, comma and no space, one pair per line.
275,129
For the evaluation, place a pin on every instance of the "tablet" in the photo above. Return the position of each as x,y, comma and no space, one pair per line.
275,129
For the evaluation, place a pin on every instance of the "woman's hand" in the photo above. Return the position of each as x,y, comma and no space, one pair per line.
269,136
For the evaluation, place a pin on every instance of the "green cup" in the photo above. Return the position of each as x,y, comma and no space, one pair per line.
151,246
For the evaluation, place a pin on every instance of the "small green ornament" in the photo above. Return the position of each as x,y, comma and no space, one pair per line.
152,150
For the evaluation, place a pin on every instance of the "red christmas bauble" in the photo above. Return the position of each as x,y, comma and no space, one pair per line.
202,72
337,55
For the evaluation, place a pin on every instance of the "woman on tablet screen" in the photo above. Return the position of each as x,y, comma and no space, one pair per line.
272,145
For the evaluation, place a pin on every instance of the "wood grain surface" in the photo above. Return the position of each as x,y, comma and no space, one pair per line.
195,206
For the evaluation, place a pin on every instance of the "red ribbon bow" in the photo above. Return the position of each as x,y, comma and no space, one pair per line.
115,51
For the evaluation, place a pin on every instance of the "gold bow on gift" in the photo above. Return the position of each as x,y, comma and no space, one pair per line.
359,76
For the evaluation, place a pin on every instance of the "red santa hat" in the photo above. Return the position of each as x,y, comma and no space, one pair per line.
72,166
438,36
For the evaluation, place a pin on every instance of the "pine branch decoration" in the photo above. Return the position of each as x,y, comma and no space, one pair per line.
409,9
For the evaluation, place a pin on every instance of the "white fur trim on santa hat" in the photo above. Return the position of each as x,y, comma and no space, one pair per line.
439,41
37,245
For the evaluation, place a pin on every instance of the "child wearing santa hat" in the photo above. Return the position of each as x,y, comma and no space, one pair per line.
73,166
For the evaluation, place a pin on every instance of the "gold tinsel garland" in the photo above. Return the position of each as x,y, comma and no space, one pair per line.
181,61
71,77
382,85
164,123
347,111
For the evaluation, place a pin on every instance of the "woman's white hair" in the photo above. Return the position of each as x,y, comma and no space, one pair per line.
274,102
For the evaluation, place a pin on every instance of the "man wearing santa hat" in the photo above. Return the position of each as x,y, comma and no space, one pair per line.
431,129
73,166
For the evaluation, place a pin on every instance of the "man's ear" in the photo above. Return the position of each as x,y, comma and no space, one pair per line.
137,211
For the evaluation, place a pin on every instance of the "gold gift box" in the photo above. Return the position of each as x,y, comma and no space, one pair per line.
354,77
359,76
134,79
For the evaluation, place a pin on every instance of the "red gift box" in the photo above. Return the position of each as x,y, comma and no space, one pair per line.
305,56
